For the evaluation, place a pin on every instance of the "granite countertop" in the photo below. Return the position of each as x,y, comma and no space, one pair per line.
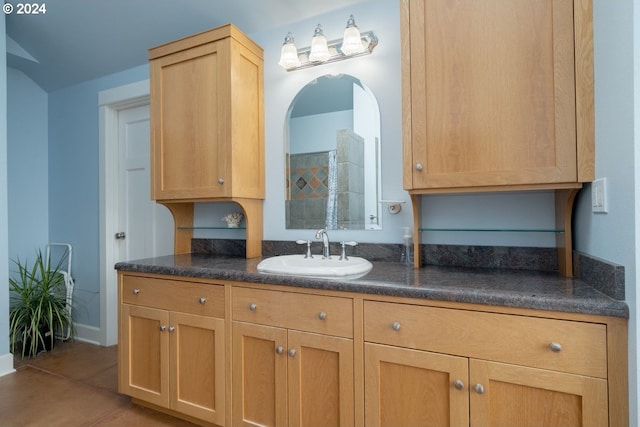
509,288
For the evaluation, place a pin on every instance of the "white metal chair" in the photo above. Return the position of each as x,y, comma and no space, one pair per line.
63,254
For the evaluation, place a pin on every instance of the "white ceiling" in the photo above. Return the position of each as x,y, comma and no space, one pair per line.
79,40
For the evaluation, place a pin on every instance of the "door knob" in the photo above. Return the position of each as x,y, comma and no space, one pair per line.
120,235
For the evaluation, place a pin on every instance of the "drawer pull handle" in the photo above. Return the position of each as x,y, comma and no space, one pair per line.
221,180
163,328
172,328
279,349
202,300
555,346
136,291
479,388
292,352
252,307
458,384
396,326
322,315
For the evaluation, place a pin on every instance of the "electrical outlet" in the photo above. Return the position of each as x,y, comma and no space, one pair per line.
599,196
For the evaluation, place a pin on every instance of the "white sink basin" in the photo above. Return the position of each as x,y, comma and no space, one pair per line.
298,265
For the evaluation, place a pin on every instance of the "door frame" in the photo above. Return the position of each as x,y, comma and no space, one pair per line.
110,102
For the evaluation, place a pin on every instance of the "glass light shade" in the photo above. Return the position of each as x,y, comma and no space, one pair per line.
351,41
289,53
319,49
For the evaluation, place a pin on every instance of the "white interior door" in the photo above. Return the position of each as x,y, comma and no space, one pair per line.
145,227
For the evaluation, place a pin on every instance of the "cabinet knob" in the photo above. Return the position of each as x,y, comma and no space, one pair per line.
555,346
220,180
136,291
322,315
279,349
479,388
292,352
396,326
458,384
419,166
253,307
172,328
163,328
202,300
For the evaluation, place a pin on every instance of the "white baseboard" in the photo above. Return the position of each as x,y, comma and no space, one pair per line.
86,333
6,364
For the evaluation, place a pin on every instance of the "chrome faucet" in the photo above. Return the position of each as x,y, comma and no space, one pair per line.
322,234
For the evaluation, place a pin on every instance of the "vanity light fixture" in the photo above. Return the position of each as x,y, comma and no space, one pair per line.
353,44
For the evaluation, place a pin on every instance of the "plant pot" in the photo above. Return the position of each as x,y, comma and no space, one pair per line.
48,342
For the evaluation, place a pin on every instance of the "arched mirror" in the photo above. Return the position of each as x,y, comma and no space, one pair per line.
332,149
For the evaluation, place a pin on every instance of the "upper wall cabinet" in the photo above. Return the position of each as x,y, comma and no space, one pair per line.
497,94
207,117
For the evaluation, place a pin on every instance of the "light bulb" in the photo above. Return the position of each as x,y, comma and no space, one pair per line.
351,41
289,54
319,49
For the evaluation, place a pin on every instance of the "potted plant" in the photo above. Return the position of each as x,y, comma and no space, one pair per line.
38,306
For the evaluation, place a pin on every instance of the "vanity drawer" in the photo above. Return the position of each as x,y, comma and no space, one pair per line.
174,295
311,313
499,337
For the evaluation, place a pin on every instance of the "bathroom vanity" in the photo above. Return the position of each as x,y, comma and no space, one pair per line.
214,341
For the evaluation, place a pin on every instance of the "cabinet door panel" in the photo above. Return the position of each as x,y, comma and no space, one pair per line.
530,397
492,93
320,379
197,366
189,152
259,375
145,375
406,387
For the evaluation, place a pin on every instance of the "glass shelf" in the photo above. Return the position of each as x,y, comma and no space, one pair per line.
495,230
212,228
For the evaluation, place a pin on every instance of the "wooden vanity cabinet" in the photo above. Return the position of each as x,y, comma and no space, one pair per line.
207,139
293,358
247,354
172,346
207,128
498,96
439,366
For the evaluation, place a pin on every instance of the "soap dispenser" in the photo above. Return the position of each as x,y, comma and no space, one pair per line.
407,250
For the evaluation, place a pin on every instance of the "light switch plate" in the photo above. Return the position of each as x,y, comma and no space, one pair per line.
599,196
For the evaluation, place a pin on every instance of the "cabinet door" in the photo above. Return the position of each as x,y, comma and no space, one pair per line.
405,387
259,375
190,147
144,368
197,366
492,93
320,380
529,397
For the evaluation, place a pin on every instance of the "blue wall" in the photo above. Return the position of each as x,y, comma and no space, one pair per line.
28,171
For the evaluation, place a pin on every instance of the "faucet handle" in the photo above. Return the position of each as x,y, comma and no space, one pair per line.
308,243
343,254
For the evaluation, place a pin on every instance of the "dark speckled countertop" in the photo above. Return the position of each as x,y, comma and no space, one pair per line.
509,288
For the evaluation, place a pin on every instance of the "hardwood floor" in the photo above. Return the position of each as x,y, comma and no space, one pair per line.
75,384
